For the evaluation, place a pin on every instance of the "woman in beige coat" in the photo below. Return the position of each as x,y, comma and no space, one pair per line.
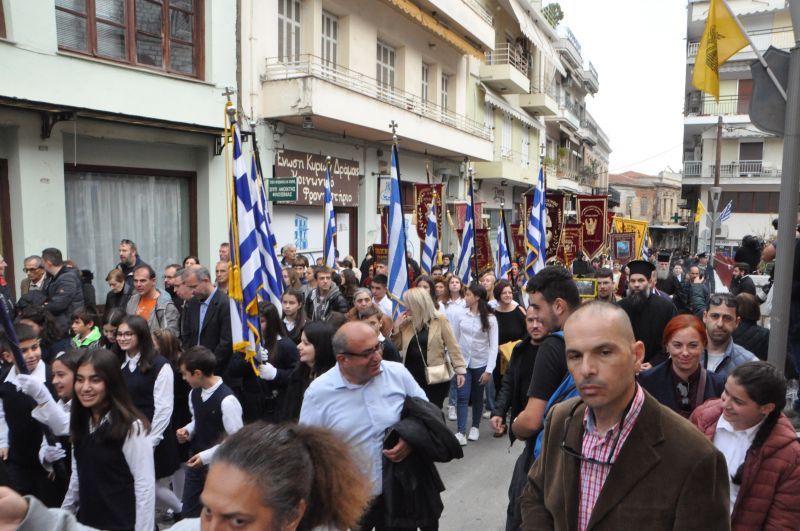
424,338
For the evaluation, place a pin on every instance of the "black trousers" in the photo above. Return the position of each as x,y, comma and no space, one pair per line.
375,517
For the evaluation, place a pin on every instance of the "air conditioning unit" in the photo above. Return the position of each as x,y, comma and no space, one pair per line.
722,232
456,187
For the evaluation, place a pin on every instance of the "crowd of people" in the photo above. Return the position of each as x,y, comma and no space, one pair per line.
148,409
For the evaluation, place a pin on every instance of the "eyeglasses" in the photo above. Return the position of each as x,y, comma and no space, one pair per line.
125,334
31,269
723,298
579,455
367,353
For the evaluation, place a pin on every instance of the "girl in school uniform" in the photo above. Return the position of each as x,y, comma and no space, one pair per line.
150,381
112,477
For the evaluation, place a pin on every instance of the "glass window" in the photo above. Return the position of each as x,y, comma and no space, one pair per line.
385,68
105,207
162,34
289,30
330,38
2,22
445,92
424,89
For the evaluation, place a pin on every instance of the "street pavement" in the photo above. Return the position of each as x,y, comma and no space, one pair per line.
476,494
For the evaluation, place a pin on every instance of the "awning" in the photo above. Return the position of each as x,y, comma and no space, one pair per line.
497,101
668,227
528,27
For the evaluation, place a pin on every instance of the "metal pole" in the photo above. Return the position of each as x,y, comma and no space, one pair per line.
713,205
787,207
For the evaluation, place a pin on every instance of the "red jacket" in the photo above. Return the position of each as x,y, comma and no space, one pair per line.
769,496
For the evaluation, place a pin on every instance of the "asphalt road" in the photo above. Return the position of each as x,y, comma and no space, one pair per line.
476,494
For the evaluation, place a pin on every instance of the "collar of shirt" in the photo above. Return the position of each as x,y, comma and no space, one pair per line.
728,349
630,417
93,427
211,296
205,394
339,381
131,363
750,433
40,373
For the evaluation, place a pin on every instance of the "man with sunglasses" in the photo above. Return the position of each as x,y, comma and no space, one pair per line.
615,458
721,318
360,398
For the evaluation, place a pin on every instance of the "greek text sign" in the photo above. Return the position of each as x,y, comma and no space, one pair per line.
309,171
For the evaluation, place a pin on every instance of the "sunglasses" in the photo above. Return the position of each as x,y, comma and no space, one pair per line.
727,299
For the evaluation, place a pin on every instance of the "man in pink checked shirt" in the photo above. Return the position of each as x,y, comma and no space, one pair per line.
614,458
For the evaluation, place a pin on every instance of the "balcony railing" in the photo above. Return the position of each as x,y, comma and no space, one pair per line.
479,10
508,54
779,37
696,105
312,66
735,169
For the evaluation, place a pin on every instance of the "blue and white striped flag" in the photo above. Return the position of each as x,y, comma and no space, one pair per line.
535,236
398,270
464,267
646,247
430,249
726,213
503,262
330,222
271,286
246,276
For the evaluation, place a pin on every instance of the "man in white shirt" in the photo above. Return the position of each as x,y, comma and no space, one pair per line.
378,288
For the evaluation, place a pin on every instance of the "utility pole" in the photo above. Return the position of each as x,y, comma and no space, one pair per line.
716,191
787,206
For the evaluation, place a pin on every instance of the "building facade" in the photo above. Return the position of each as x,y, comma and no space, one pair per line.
751,160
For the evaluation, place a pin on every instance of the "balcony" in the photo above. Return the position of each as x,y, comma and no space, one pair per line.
466,17
570,48
535,103
692,168
697,105
352,103
735,172
508,165
590,77
782,38
506,70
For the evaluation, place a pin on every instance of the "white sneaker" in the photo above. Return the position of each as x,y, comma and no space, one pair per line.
451,412
474,434
461,439
487,414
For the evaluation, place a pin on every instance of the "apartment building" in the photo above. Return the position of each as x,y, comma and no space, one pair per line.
110,116
750,164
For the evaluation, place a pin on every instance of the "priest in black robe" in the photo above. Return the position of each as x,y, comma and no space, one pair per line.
665,280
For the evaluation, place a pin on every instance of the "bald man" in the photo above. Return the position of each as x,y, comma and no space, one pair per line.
615,458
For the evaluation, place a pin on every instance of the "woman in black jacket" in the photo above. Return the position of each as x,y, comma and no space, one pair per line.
316,358
120,291
749,334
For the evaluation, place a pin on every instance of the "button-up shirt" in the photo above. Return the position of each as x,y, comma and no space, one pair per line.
361,414
203,310
734,445
478,347
598,446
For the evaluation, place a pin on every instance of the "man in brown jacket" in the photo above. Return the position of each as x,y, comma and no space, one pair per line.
615,458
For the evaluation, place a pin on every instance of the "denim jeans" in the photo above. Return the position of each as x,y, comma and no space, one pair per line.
451,400
490,393
471,390
192,488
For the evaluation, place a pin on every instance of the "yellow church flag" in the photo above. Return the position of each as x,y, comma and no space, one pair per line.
722,38
701,210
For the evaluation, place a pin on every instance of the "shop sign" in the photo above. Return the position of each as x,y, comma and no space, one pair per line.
308,169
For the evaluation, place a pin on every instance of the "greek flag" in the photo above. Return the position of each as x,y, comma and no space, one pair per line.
646,247
246,259
464,268
271,286
535,237
431,248
330,222
398,271
503,262
726,213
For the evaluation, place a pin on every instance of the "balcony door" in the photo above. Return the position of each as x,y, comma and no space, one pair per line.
330,39
751,155
745,93
289,31
384,73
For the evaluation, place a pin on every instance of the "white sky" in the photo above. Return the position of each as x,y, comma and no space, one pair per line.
638,48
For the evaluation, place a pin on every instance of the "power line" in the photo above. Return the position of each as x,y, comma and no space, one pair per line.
648,158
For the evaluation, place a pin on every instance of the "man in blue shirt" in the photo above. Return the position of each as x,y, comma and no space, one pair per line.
360,398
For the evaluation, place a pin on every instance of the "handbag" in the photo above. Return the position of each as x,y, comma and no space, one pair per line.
435,374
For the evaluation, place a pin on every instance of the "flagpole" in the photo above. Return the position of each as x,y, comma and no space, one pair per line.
475,272
760,57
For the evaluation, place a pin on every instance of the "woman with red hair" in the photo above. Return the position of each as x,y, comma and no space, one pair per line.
680,383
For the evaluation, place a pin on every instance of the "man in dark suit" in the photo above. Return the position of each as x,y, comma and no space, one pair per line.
206,317
615,458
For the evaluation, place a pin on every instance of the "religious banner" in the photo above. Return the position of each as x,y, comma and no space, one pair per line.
483,249
554,223
309,171
424,197
622,246
611,215
592,217
571,236
380,251
636,226
518,240
461,214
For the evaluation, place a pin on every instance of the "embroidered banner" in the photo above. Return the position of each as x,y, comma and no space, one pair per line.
636,226
592,217
425,194
554,222
518,239
483,249
461,214
571,236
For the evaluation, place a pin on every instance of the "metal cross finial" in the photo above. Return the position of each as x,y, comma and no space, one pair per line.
393,126
228,93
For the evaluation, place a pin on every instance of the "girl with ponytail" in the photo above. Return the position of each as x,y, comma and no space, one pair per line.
760,447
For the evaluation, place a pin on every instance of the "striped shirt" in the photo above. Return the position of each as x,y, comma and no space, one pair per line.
598,446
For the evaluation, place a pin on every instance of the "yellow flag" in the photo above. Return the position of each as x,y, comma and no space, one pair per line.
722,38
701,210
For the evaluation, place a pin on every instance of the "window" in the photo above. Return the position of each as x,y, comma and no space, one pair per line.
445,92
2,22
98,204
505,146
385,67
488,116
642,206
424,89
289,30
161,34
330,38
526,145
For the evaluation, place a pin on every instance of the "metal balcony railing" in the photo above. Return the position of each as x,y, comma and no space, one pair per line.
782,38
508,54
479,10
697,105
733,169
692,168
307,65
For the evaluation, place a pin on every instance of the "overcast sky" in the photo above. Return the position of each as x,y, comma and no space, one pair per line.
638,48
